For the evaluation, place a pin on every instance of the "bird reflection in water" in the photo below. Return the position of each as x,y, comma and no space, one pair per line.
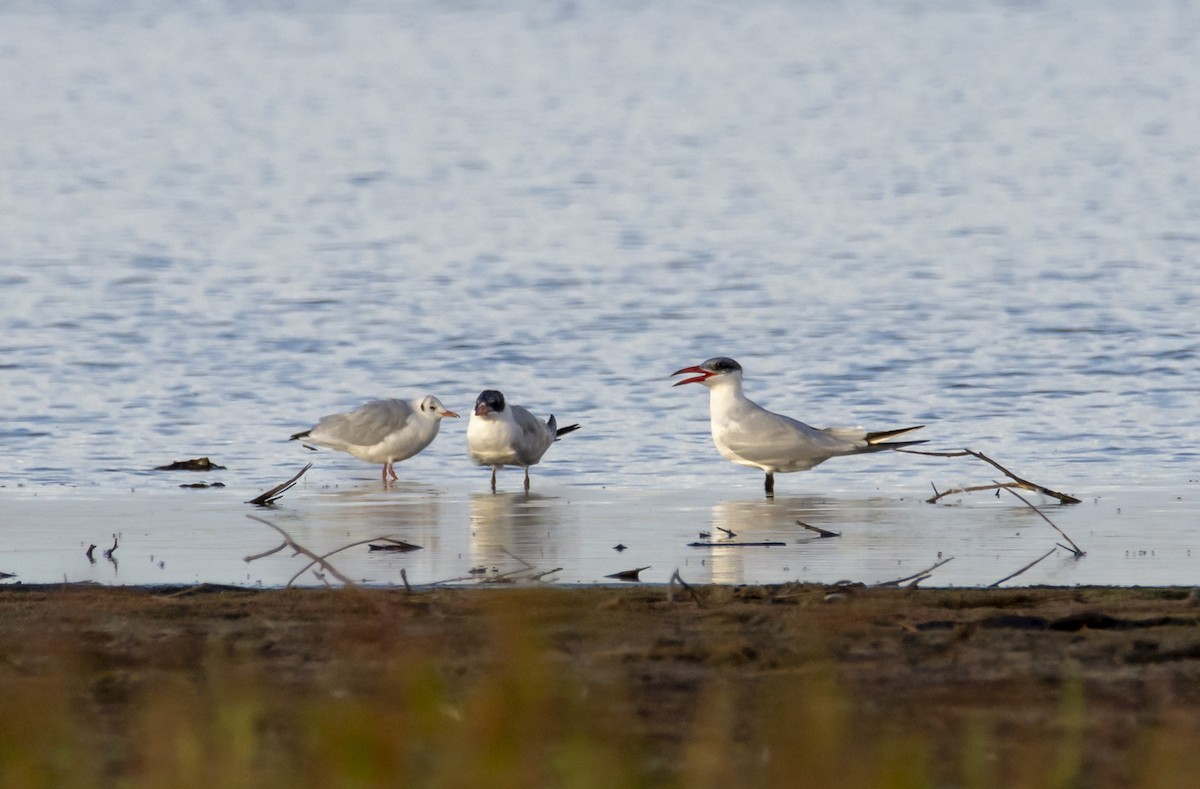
510,528
755,520
409,511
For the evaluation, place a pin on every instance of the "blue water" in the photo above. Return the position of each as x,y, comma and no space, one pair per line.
218,225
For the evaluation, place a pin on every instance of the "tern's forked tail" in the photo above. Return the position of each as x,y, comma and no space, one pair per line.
878,438
562,431
559,432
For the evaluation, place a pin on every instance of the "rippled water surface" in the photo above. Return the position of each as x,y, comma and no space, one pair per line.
217,226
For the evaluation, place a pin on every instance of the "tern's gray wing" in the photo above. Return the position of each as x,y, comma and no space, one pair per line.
779,442
364,426
534,436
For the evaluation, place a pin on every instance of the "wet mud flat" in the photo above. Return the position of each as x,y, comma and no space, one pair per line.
605,686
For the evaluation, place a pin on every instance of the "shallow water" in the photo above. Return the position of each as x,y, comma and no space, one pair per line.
217,226
570,534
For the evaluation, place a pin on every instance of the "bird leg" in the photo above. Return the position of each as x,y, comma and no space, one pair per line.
770,484
392,470
493,479
527,479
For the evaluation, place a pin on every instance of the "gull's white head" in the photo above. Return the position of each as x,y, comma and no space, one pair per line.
432,407
717,370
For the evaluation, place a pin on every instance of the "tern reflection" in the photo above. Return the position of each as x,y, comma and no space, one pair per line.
772,519
754,520
508,528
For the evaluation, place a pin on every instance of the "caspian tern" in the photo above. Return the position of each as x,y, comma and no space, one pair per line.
382,431
500,434
750,435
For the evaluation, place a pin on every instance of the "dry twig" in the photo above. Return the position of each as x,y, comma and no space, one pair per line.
969,489
265,554
916,578
676,577
1019,482
1074,548
820,532
1023,569
300,549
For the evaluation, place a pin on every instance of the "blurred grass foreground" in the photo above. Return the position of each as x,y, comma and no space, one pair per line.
761,687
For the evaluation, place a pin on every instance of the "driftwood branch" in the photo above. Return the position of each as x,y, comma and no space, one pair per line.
1023,569
820,532
628,575
272,495
374,543
1019,482
265,554
320,560
1075,549
392,545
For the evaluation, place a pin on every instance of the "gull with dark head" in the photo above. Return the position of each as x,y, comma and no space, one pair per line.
750,435
382,431
502,434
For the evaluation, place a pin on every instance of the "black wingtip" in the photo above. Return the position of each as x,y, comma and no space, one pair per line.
298,436
562,431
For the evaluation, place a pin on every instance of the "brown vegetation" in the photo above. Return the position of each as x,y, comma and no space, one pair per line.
607,687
